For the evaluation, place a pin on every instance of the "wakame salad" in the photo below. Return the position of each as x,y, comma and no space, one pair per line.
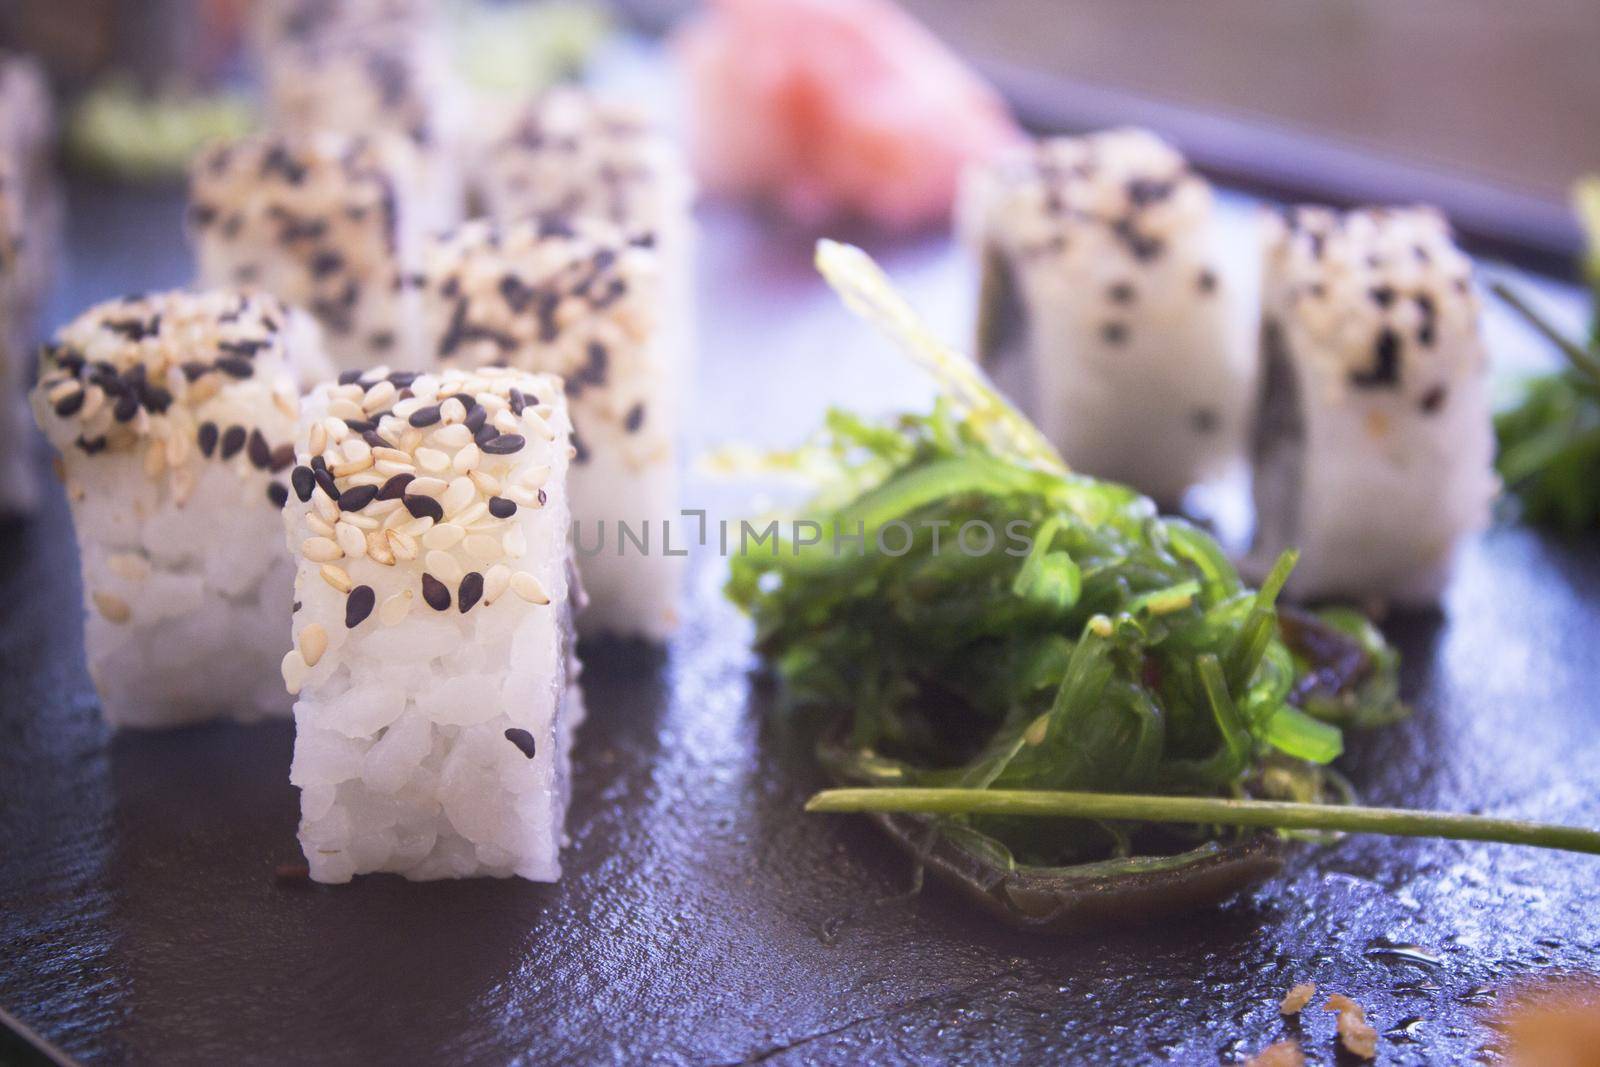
980,629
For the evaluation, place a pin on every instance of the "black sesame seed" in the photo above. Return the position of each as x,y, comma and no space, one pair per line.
1207,281
282,457
1121,292
350,377
259,451
70,404
318,463
470,593
207,438
485,434
424,507
1114,333
1433,400
236,367
357,497
435,593
543,498
375,439
504,445
1385,368
518,402
501,508
304,481
477,414
634,419
278,493
326,483
1382,295
126,408
523,740
395,487
233,440
358,605
425,416
580,451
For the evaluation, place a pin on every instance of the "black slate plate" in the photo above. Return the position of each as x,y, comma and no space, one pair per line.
702,918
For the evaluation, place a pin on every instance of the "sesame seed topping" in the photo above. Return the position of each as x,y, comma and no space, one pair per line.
470,591
523,740
112,608
526,586
358,605
501,508
504,445
233,441
313,642
424,507
435,593
277,494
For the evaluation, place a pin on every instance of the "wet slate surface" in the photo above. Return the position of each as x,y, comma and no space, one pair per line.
702,918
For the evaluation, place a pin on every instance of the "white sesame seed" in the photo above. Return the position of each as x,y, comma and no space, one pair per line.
336,577
516,543
444,535
360,519
535,477
334,426
378,548
427,486
443,566
355,466
487,483
344,408
467,459
155,458
295,671
452,410
528,588
355,449
313,643
407,407
496,580
471,514
538,426
318,525
129,567
320,549
391,467
528,498
318,442
382,453
403,544
352,539
379,397
458,495
324,505
451,437
432,460
394,609
505,422
417,527
113,608
380,509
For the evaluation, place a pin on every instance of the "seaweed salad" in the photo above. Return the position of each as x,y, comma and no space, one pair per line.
982,637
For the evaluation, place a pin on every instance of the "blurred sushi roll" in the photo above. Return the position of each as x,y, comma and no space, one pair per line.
581,300
1373,441
298,23
29,232
395,89
174,418
1106,308
432,658
321,221
572,154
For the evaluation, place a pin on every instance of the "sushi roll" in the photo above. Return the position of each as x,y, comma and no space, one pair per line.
296,23
29,225
395,89
320,221
1373,441
433,659
581,300
570,153
174,417
1105,308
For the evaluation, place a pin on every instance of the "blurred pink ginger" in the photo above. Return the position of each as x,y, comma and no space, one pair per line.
836,109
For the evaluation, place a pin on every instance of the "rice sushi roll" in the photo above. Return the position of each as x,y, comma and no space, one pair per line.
395,89
320,221
174,417
1105,308
581,300
433,659
29,221
1373,441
